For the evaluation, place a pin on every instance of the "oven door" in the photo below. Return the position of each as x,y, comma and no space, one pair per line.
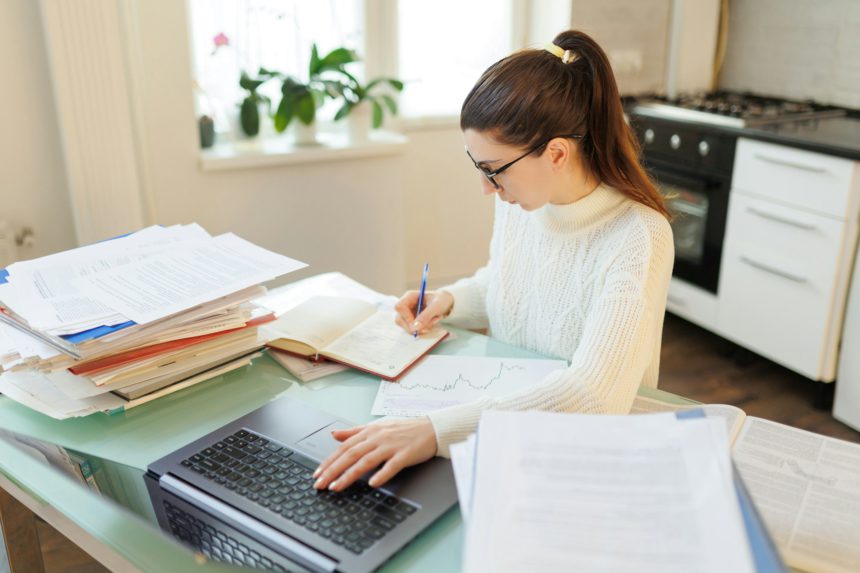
699,205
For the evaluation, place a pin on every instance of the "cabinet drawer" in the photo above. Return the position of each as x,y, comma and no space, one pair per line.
775,306
805,179
808,243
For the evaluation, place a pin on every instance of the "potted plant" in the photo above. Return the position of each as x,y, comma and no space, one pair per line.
364,105
300,100
249,110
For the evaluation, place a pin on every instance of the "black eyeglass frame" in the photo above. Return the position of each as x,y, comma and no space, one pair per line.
490,175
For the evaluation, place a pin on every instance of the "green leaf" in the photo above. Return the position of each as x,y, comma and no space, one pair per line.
306,109
336,59
264,72
343,111
389,101
396,84
318,97
284,114
248,83
377,115
313,68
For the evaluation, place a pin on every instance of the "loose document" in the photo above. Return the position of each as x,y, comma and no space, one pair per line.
806,486
568,492
442,381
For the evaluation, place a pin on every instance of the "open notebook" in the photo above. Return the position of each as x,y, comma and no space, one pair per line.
806,486
352,332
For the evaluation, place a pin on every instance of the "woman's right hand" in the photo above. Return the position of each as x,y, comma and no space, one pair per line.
437,305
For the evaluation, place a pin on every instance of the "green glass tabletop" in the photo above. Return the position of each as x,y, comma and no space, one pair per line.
121,446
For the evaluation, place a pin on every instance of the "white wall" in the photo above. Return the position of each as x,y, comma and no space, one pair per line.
32,180
795,48
376,219
629,26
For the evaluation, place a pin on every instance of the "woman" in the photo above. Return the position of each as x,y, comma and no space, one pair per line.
580,258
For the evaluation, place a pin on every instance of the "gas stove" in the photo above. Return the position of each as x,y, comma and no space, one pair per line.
734,109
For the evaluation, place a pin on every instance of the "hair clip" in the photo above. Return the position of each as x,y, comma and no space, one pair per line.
567,56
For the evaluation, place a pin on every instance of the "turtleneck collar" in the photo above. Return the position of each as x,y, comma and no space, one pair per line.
582,213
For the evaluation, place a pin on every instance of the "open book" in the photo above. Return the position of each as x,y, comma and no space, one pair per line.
806,486
352,332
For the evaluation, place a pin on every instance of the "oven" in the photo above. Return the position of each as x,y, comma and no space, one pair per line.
692,164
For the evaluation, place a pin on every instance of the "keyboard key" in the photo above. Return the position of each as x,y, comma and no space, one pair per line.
241,434
273,447
252,438
381,523
389,513
235,453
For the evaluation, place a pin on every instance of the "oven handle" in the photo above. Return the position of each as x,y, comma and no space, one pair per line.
795,164
780,219
773,270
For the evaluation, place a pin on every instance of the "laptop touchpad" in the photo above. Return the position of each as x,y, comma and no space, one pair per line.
321,443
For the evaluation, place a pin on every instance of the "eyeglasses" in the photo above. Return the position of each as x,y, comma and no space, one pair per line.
491,175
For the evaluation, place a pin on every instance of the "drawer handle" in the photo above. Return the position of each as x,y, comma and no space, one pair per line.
676,300
795,164
773,271
780,219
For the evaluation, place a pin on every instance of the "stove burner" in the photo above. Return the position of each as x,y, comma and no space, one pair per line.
736,109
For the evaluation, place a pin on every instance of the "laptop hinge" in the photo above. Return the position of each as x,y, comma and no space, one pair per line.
292,548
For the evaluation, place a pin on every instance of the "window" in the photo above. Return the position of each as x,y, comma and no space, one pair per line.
438,48
231,36
444,46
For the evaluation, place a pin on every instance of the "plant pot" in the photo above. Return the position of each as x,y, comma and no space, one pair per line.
304,134
358,123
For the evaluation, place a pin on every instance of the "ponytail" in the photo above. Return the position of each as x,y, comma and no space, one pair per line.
533,95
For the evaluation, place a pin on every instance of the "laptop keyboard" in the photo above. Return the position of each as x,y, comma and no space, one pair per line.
262,471
215,544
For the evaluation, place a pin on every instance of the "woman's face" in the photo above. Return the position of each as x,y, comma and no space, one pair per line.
528,183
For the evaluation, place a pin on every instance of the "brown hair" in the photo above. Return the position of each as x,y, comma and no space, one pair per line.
532,96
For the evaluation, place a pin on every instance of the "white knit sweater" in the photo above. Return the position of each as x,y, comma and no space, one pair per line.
586,282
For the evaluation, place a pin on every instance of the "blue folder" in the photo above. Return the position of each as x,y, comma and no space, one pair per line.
764,552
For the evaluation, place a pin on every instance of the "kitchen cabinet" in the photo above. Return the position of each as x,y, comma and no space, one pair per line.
790,239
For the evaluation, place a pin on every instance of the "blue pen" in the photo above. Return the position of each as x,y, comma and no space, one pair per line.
421,294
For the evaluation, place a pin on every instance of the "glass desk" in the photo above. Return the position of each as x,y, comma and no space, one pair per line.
126,536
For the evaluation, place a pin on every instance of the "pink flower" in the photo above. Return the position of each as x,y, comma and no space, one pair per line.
221,40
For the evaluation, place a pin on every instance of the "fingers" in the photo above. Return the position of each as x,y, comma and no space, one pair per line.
335,470
346,433
348,442
405,307
436,308
388,471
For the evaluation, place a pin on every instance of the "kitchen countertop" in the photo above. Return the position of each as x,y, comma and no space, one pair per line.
838,136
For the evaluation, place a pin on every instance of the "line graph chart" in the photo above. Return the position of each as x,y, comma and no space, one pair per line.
442,381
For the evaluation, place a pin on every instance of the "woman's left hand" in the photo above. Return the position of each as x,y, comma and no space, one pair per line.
394,444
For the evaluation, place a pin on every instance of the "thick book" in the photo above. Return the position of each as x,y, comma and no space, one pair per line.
805,485
352,332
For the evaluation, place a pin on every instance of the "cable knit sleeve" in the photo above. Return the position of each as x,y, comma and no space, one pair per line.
617,345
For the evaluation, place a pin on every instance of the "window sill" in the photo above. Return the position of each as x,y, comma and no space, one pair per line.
267,151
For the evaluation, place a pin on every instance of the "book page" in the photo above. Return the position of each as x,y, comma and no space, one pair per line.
318,321
378,345
733,416
807,489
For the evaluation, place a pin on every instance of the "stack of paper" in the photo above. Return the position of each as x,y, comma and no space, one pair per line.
562,492
92,328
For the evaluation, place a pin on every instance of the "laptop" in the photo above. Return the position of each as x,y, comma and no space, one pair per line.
244,494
